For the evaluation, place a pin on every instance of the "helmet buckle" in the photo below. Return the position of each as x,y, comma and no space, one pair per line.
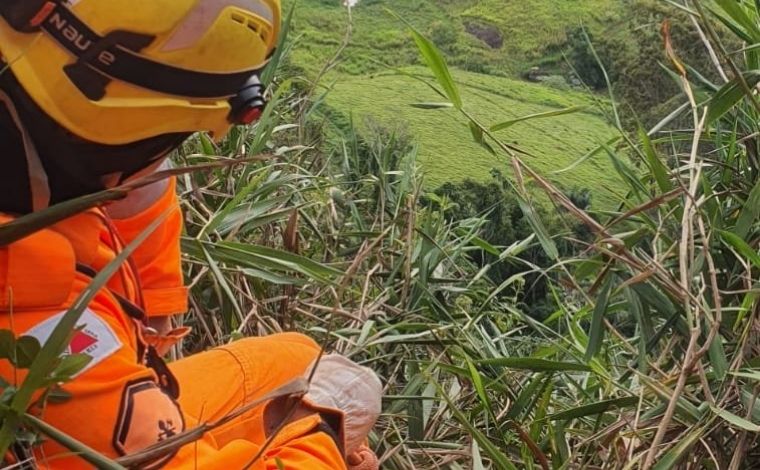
26,15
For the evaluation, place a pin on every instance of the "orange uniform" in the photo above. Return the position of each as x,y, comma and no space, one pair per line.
124,400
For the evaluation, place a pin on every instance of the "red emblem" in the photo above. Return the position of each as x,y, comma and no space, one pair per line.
81,342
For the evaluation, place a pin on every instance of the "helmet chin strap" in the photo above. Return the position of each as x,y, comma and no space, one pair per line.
38,178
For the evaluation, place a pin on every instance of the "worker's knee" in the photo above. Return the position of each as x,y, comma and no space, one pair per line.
279,356
271,361
299,339
274,344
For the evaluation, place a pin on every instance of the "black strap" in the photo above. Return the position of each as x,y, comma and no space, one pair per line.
128,306
147,354
116,56
166,379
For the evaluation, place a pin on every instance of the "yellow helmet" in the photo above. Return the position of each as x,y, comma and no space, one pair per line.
119,71
93,92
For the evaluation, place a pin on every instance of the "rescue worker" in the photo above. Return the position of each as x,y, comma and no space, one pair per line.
93,93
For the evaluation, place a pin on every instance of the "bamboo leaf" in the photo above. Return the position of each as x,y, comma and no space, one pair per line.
658,169
267,76
596,334
7,345
71,365
257,257
499,458
27,349
536,365
735,421
477,381
749,214
414,410
740,246
431,105
546,241
595,408
671,459
753,375
436,63
718,359
729,95
530,117
735,10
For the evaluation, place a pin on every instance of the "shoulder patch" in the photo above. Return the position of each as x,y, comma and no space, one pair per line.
95,337
146,416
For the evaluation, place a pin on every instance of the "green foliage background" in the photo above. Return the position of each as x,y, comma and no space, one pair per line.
446,150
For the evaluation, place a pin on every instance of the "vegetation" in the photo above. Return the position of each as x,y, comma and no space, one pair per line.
634,62
487,36
645,354
492,44
446,150
646,359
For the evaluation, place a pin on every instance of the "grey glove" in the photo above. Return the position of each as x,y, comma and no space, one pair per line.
356,391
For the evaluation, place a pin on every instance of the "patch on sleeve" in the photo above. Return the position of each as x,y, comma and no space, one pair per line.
94,338
146,416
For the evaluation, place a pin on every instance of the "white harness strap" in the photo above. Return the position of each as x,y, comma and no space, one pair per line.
38,179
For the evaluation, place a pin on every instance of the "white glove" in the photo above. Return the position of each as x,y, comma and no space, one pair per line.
341,384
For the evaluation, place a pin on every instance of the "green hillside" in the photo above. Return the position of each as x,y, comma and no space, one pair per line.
491,43
447,150
494,36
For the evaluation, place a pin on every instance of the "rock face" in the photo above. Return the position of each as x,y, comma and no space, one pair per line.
489,34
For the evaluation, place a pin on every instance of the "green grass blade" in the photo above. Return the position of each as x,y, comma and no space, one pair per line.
79,448
535,365
740,246
544,238
736,421
596,334
507,124
274,62
595,408
436,63
735,10
750,213
431,105
671,459
477,381
490,448
729,96
718,359
658,169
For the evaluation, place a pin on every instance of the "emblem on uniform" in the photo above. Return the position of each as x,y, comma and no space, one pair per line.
94,337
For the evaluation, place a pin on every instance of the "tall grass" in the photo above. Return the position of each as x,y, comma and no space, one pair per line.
649,359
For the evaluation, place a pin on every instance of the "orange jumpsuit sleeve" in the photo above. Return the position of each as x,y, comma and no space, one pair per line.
158,259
